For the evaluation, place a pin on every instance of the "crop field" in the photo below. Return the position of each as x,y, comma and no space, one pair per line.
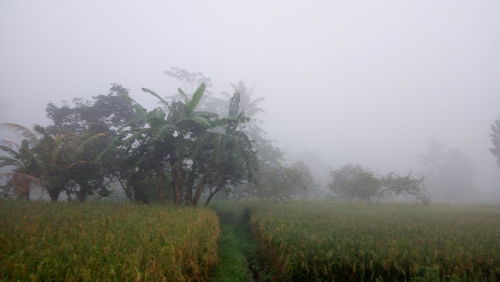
328,241
101,242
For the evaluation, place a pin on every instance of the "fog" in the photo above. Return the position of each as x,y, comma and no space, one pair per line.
365,82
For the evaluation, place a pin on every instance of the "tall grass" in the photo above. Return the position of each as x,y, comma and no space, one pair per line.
93,242
325,241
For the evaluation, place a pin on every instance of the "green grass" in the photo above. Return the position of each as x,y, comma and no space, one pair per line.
238,250
42,241
326,241
233,265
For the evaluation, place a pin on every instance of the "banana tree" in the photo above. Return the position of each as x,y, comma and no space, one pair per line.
187,150
183,127
234,159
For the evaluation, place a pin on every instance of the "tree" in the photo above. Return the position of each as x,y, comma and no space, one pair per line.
354,182
176,152
279,182
357,183
450,173
103,116
495,139
186,152
52,160
402,185
24,173
433,158
274,179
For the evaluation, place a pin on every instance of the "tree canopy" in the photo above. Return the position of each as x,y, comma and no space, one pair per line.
495,139
354,182
174,152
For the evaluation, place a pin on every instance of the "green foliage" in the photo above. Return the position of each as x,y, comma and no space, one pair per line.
279,182
402,185
183,152
96,122
354,182
328,241
56,161
172,153
239,253
106,242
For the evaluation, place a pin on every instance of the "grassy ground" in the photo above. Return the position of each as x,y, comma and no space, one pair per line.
238,251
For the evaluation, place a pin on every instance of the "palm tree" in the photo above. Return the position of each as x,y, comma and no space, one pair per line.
25,172
53,161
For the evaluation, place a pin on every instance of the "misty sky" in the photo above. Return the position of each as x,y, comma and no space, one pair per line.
366,82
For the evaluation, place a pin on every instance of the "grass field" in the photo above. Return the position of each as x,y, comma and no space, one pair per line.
42,241
327,241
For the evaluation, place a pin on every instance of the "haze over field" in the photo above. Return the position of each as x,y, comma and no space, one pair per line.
344,82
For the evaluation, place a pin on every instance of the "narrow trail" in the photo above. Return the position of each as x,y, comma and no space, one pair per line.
238,251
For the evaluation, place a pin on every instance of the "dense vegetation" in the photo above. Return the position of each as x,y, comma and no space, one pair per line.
311,241
190,148
43,241
175,152
357,183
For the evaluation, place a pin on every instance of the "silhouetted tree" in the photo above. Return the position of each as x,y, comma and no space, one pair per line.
393,184
449,173
495,139
354,182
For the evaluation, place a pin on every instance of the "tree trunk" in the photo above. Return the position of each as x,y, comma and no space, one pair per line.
54,194
83,192
212,195
199,190
380,195
160,175
125,188
178,183
189,187
220,181
82,195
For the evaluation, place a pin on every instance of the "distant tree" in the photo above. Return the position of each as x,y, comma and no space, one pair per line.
495,139
449,173
402,185
455,179
354,182
279,182
433,158
189,80
304,182
274,179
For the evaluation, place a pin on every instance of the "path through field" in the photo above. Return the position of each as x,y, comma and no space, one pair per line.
238,251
